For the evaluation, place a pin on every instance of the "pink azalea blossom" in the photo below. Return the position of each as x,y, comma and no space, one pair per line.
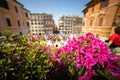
90,62
87,76
48,49
79,60
55,56
88,51
32,37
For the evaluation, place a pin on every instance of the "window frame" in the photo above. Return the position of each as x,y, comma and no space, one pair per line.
93,8
91,22
18,23
4,4
16,9
100,23
8,21
104,3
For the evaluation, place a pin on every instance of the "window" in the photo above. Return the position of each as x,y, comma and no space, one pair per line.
20,33
16,9
27,23
92,8
104,3
100,21
18,23
83,23
0,34
26,14
4,4
8,22
91,22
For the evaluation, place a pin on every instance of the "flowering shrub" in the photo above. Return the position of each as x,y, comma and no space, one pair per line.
22,59
85,58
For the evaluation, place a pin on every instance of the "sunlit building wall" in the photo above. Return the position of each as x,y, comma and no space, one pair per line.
67,23
14,17
41,23
101,16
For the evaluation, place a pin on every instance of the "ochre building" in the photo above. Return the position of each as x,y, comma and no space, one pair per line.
101,17
14,17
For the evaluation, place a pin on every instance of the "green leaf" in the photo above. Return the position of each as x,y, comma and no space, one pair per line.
26,77
11,69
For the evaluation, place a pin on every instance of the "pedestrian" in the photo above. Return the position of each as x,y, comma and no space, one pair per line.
114,40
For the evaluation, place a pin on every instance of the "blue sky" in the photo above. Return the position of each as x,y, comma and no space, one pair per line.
55,7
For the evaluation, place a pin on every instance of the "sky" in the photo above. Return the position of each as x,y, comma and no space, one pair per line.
56,7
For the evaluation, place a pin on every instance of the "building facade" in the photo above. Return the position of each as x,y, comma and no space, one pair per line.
67,23
14,17
101,16
77,30
41,24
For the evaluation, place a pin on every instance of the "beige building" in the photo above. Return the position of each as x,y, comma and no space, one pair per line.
14,17
77,30
67,23
41,24
101,16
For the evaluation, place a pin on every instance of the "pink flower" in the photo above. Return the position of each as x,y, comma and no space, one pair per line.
48,49
32,37
79,60
58,60
50,60
55,55
90,35
87,76
88,51
82,38
83,78
90,62
81,49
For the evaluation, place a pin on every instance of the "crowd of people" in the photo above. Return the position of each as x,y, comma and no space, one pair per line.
58,40
55,40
